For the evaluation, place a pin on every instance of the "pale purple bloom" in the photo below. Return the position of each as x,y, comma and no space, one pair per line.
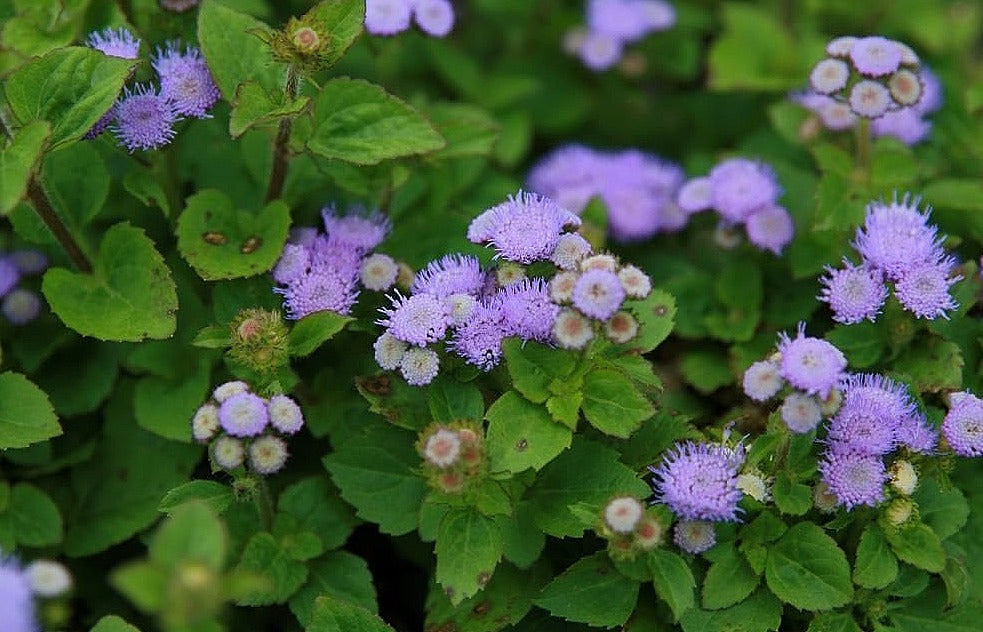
932,92
185,80
419,366
840,46
359,230
619,19
303,235
479,339
896,237
434,17
451,274
810,364
835,115
178,6
10,275
293,264
916,434
570,249
244,415
854,478
568,175
599,51
869,99
115,43
694,536
16,598
323,288
387,17
267,455
762,381
659,15
770,228
524,228
699,481
875,56
854,293
739,186
695,195
21,306
418,319
285,414
829,76
144,119
801,413
863,425
527,309
963,424
30,261
923,289
598,294
905,124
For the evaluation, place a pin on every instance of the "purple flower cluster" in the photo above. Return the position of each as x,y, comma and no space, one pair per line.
698,481
17,612
908,124
638,189
20,305
872,75
613,24
390,17
323,271
144,117
744,192
876,417
242,428
525,228
963,424
898,247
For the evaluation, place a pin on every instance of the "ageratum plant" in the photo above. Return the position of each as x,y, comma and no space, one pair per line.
369,315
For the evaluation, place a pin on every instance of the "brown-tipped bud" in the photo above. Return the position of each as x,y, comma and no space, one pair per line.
650,533
899,511
301,42
621,548
259,341
450,482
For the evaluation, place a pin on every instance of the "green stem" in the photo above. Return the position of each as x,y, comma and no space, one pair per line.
42,205
281,147
864,147
264,503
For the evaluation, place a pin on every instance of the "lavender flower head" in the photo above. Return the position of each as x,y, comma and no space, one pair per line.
419,366
419,319
854,478
698,481
762,381
359,229
739,186
570,249
21,306
801,413
854,293
527,309
185,80
863,425
479,339
770,228
598,294
694,536
434,17
905,124
144,119
10,275
810,364
897,236
525,228
600,51
916,434
962,426
321,288
451,274
285,414
875,56
16,598
243,415
115,43
923,289
30,261
387,17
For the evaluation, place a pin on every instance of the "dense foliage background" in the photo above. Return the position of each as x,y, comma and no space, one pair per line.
155,255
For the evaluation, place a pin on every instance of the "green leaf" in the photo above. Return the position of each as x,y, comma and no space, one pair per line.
875,566
833,622
613,405
339,575
313,330
77,182
143,583
946,512
253,106
165,407
468,130
932,365
33,516
729,580
17,162
130,295
359,122
451,400
343,20
656,318
533,367
316,506
524,542
375,472
26,415
918,545
706,370
334,615
502,603
112,623
591,591
221,242
673,581
118,490
586,473
807,569
70,87
396,401
758,613
791,498
469,547
521,435
862,343
193,533
264,555
233,51
213,337
214,494
142,185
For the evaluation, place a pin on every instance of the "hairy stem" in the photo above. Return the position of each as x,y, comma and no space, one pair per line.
863,147
39,200
281,151
264,503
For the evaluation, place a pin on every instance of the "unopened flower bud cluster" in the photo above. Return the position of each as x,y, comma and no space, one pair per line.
242,429
453,455
629,527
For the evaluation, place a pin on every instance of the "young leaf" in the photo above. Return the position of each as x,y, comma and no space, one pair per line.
876,566
521,434
834,622
26,415
791,498
264,555
130,295
533,367
613,405
807,569
335,615
17,161
70,87
221,242
359,122
673,581
469,547
253,106
918,545
33,516
729,580
212,493
656,318
339,575
591,591
315,505
453,401
946,512
313,330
